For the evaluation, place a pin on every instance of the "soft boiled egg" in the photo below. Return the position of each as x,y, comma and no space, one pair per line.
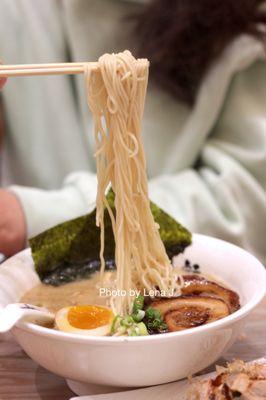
85,320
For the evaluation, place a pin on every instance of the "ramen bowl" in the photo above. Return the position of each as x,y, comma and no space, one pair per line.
139,361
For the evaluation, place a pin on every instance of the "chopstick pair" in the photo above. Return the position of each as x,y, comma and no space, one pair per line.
49,69
45,69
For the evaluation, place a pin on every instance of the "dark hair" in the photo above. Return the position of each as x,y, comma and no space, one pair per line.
182,38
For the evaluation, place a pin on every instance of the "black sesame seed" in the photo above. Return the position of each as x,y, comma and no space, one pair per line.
196,266
187,263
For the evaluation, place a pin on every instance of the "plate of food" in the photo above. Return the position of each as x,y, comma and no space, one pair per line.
236,380
133,298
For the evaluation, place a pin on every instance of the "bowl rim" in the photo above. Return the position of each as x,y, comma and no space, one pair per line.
109,340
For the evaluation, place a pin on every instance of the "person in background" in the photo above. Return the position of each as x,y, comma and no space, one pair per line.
204,126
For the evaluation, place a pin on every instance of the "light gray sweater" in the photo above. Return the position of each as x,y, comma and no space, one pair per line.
206,165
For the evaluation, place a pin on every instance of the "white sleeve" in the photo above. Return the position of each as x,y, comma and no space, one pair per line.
224,194
44,209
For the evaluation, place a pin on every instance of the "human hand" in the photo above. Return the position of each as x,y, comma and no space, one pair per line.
12,224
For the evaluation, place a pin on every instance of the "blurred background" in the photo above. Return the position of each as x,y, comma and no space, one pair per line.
204,127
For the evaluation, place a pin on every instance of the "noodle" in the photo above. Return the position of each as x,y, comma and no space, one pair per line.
116,94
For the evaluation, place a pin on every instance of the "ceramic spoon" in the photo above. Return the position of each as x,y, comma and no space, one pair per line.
17,312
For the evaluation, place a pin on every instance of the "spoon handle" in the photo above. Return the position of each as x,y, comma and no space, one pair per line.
18,312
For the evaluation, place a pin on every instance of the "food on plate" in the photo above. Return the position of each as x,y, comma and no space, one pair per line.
238,380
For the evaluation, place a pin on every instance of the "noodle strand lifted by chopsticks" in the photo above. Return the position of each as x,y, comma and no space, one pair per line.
116,95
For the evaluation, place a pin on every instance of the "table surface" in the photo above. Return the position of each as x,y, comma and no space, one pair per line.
22,379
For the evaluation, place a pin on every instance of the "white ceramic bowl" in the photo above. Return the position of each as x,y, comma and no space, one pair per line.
140,361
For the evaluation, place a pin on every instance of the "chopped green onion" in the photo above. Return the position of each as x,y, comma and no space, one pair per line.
115,323
142,329
138,304
138,316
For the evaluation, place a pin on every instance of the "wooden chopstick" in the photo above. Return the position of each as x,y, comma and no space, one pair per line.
48,69
43,65
45,69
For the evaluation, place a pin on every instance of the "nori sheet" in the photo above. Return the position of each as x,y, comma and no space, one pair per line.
77,242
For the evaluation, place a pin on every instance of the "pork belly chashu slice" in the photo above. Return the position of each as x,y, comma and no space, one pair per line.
194,284
237,381
202,301
185,312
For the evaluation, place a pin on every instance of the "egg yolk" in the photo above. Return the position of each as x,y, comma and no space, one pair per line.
89,317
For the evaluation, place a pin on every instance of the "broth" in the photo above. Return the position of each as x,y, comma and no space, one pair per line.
80,292
85,291
203,300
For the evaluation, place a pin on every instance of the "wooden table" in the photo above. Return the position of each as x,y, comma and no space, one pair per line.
23,379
